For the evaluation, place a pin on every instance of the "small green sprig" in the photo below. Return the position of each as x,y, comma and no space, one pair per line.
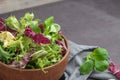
96,60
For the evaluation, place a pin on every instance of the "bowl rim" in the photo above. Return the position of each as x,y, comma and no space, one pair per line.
20,69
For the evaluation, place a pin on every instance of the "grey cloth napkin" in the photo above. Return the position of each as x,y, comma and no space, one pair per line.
77,53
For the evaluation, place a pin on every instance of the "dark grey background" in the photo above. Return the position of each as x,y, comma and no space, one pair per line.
86,22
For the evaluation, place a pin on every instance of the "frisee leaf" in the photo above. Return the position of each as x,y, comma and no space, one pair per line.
29,16
4,56
38,54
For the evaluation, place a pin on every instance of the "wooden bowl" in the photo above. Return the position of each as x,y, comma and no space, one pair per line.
54,72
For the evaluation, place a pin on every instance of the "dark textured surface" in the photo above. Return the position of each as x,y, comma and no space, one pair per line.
87,22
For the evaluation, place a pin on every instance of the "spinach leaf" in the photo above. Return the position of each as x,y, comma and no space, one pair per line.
101,65
86,67
96,60
100,54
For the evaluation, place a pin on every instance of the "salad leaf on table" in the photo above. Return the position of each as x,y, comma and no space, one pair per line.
84,67
101,65
96,60
114,69
100,54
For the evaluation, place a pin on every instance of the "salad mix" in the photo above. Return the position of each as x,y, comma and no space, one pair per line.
30,43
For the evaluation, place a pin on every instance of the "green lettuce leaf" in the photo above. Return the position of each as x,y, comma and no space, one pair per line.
49,21
29,17
55,28
13,23
27,20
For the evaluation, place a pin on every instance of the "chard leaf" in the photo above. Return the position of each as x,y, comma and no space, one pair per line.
86,67
100,54
101,65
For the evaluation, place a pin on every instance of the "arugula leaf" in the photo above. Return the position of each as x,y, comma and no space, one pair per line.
100,54
86,67
101,65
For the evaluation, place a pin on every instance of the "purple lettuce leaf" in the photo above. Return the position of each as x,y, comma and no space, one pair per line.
37,38
113,67
23,62
62,44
